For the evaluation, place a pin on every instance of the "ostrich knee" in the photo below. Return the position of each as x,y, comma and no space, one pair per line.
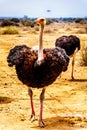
31,102
42,95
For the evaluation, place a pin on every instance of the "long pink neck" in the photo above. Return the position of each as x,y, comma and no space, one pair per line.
40,51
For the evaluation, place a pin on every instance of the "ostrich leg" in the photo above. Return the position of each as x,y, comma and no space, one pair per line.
41,123
32,106
73,62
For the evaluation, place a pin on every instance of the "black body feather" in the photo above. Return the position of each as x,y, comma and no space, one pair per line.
69,43
37,75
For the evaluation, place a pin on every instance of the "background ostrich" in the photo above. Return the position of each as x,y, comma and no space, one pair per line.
38,68
71,44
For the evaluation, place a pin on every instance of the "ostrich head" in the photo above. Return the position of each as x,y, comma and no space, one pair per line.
41,21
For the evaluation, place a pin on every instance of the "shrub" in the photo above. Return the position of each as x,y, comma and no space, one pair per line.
28,22
10,30
6,22
84,55
48,21
79,20
16,20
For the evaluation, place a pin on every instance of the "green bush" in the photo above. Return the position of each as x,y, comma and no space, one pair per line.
28,22
7,22
79,20
10,30
16,20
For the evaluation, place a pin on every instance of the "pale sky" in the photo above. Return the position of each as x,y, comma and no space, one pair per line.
38,8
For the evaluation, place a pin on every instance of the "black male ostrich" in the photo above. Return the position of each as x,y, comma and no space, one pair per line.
38,68
71,44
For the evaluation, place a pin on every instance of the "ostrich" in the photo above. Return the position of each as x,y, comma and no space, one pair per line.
38,68
71,44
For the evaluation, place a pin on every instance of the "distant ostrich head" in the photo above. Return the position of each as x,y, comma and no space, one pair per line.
41,21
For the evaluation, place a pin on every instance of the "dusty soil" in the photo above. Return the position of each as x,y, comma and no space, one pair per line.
65,105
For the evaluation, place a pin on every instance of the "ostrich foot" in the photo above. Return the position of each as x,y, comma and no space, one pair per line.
41,124
32,118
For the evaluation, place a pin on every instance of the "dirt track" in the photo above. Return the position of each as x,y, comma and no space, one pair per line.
65,105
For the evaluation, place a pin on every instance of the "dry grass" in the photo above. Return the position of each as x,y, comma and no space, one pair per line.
9,30
83,61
